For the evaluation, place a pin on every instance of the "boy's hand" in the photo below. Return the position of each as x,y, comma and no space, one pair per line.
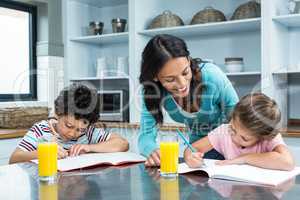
62,153
78,149
194,160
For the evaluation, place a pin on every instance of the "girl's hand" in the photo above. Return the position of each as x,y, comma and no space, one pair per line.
78,149
236,161
194,160
61,153
154,159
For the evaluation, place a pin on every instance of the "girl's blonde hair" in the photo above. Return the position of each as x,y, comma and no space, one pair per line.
258,113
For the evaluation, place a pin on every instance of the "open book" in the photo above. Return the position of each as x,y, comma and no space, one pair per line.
243,173
92,159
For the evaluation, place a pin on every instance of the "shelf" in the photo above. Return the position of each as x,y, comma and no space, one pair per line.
104,3
103,39
292,20
288,72
99,78
244,74
208,29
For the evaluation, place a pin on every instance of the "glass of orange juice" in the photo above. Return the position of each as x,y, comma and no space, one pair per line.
47,159
169,152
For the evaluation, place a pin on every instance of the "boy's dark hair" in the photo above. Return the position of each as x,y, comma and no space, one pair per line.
79,100
258,113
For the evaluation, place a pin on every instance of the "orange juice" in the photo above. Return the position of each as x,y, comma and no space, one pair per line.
169,189
48,192
47,156
169,152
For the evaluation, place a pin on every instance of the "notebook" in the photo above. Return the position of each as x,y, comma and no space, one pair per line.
92,159
242,173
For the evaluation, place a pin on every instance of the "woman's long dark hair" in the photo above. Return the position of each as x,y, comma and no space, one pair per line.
159,50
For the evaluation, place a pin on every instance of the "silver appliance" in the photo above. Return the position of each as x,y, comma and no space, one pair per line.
113,105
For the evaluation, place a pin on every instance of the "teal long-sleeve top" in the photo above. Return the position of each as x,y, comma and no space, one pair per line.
217,101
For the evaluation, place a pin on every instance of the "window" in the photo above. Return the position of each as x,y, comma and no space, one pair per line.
17,51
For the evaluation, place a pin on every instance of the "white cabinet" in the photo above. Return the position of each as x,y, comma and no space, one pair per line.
7,147
82,49
268,44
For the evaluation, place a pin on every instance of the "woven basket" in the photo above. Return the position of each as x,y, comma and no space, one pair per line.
166,19
247,10
208,14
22,117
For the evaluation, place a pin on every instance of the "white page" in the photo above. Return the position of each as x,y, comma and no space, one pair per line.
208,167
245,173
91,159
253,174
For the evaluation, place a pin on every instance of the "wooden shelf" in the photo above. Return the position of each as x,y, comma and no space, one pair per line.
112,38
207,29
104,3
292,20
12,133
99,78
244,74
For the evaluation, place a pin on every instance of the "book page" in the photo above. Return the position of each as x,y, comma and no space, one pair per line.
251,174
208,167
244,173
91,159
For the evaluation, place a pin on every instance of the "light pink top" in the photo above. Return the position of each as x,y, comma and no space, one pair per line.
220,139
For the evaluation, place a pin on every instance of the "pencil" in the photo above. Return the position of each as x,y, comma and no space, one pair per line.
189,145
186,141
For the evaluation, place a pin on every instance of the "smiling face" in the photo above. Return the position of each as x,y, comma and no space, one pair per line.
176,76
240,135
70,128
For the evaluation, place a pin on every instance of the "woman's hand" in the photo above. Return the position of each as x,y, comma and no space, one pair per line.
61,152
194,160
78,149
154,159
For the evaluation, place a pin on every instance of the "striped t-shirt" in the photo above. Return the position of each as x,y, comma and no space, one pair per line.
42,129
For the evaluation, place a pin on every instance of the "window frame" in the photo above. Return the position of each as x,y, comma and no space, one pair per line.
32,11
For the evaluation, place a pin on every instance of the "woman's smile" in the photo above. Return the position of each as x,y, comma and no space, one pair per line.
182,91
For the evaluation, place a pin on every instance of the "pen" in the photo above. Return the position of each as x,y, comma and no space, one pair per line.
186,142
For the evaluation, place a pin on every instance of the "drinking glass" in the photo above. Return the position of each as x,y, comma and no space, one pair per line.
47,159
169,152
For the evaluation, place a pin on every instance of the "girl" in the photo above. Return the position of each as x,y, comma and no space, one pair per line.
251,137
191,91
77,109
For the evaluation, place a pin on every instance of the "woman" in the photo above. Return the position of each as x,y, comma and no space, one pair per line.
192,92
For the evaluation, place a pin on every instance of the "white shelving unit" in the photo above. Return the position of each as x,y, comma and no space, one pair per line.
243,74
113,38
103,3
99,78
287,72
271,41
291,21
207,29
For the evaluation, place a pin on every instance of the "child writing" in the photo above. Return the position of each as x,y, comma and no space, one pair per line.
77,109
251,137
